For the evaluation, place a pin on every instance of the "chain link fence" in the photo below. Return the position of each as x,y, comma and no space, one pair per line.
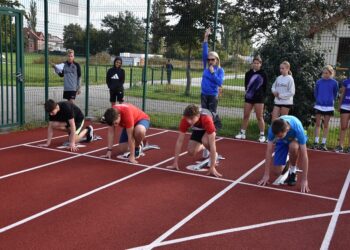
119,28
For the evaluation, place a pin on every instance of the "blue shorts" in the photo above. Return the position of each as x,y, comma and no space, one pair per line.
281,153
124,135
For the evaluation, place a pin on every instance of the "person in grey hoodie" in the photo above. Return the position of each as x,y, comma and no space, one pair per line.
115,79
72,75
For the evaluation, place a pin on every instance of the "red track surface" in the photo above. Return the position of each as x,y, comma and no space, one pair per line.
50,207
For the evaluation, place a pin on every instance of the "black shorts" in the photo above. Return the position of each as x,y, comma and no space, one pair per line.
255,101
320,112
116,95
69,95
288,106
197,135
344,111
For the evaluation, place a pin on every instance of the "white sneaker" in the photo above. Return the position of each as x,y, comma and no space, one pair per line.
205,153
240,136
262,138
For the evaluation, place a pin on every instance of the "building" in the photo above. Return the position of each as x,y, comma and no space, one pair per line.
55,43
35,40
333,37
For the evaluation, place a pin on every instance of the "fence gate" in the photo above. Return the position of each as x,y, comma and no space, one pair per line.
11,68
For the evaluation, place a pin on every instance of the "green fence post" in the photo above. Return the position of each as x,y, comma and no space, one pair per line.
46,30
131,74
146,56
96,74
87,56
152,71
162,76
216,22
1,75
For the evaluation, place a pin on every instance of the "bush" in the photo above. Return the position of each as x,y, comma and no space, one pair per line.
306,65
101,58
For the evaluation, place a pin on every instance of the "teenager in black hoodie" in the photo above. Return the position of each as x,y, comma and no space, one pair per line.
255,93
115,80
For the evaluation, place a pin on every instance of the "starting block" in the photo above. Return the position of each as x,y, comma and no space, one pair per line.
284,175
147,147
79,145
201,166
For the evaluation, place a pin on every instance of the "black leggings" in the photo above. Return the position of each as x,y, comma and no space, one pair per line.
209,102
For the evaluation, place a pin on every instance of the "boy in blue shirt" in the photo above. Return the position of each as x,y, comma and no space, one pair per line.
287,133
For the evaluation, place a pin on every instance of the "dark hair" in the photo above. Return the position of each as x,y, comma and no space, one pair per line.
50,105
191,111
117,58
257,58
278,126
111,115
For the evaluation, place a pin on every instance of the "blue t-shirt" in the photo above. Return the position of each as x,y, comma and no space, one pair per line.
346,99
296,131
326,91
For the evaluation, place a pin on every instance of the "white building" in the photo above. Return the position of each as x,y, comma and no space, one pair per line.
333,37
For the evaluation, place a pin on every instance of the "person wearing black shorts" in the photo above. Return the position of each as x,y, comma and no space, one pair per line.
203,136
255,87
326,92
66,116
115,79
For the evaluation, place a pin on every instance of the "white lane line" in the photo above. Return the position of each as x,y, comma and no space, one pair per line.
202,207
42,140
34,216
245,228
332,224
75,155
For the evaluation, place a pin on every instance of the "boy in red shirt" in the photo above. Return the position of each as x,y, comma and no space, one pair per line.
134,123
203,136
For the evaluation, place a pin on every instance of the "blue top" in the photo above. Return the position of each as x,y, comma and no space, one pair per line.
346,99
296,131
211,82
326,91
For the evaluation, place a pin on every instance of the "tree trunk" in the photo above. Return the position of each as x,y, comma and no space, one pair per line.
188,72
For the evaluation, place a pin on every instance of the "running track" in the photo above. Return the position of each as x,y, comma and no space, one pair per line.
55,199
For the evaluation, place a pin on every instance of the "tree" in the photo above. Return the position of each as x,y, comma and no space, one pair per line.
193,17
32,20
73,38
99,40
306,65
126,32
158,25
10,3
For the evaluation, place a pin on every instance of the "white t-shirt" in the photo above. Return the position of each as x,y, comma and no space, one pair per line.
285,87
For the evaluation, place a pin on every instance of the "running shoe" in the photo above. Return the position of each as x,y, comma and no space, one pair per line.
90,133
262,139
240,136
292,179
138,151
323,147
205,153
315,146
339,149
103,120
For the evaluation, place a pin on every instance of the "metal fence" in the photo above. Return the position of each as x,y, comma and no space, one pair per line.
130,27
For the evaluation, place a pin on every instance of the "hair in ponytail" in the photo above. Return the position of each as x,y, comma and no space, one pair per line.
287,64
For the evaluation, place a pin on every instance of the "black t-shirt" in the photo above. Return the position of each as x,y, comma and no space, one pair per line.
68,111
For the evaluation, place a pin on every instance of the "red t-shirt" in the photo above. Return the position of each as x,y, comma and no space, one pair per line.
205,122
130,115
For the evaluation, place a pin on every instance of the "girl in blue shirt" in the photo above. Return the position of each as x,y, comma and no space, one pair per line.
326,91
344,108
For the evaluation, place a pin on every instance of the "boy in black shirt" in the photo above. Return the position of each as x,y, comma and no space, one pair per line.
115,80
66,116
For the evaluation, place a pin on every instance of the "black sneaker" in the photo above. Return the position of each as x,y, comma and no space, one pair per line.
323,147
89,134
103,120
339,149
315,146
292,179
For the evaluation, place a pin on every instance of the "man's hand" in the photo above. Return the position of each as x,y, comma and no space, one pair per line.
133,160
264,181
304,186
107,155
276,94
44,145
174,166
73,147
212,171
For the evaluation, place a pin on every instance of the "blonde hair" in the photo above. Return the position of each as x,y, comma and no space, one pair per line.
329,68
216,55
287,64
70,51
257,58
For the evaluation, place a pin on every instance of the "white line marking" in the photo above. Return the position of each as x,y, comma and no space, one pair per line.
202,207
244,228
75,155
34,216
332,224
57,137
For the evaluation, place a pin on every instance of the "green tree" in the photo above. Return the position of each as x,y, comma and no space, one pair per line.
73,38
32,20
10,3
126,32
306,66
193,17
158,25
99,40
